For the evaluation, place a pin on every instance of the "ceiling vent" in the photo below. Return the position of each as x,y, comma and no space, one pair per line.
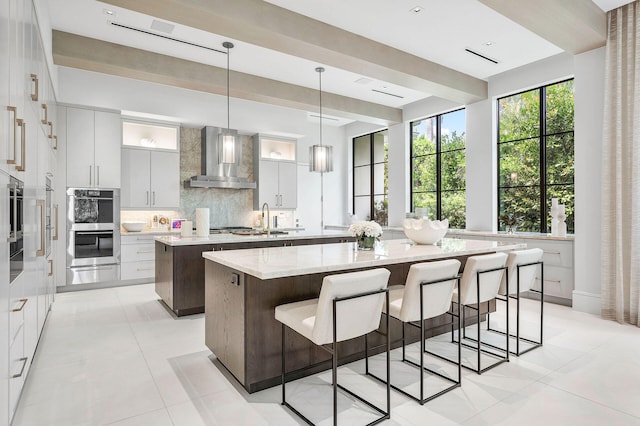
162,26
387,93
480,55
140,30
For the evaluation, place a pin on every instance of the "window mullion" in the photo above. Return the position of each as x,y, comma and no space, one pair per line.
438,168
543,159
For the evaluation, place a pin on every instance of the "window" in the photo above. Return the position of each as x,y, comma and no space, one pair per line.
370,177
535,156
438,177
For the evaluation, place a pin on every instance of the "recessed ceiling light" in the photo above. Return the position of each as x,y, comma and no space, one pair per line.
108,12
489,43
416,9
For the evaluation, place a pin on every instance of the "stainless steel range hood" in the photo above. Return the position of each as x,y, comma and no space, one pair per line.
216,174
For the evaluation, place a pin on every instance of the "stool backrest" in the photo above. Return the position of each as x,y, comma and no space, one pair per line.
527,273
489,282
354,317
436,297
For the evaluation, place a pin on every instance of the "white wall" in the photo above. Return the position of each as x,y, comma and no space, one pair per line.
192,108
589,113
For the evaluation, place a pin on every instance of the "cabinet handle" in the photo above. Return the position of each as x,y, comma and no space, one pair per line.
13,233
24,364
34,95
97,175
24,302
45,120
23,144
552,252
55,142
146,203
40,205
145,269
145,251
50,268
55,223
154,197
90,173
50,124
14,110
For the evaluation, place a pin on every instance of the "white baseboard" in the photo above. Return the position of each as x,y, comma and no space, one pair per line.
586,302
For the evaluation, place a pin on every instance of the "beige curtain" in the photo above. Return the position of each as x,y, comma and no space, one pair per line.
621,168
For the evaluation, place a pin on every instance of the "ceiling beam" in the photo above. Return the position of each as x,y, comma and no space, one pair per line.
90,54
266,25
575,26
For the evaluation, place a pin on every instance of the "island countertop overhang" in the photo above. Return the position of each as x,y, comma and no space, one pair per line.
278,262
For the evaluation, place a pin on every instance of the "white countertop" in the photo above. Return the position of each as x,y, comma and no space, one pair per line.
463,232
178,240
276,262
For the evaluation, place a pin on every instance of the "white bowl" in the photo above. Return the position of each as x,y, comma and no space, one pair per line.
425,231
134,226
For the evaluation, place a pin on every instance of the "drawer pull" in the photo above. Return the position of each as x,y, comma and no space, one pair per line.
549,281
46,114
553,252
145,269
34,95
145,251
24,364
24,302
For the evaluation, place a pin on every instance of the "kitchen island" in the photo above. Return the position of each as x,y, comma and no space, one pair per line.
242,289
179,267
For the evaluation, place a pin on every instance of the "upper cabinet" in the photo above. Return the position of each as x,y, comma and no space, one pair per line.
93,148
150,166
275,172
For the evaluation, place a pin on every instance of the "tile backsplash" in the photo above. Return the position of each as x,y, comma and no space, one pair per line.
228,207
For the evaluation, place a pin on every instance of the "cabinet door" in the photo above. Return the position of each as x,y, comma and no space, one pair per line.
6,118
288,185
165,179
80,148
268,184
108,139
135,178
4,292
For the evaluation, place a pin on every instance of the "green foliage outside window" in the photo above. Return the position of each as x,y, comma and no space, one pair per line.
531,130
449,194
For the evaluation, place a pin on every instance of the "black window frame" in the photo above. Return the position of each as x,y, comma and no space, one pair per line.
372,195
438,155
542,137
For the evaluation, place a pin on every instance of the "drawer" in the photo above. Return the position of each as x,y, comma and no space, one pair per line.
138,270
137,252
16,317
558,282
137,239
17,370
556,253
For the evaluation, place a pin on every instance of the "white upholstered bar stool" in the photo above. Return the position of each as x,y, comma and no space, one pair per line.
479,284
426,294
349,306
522,266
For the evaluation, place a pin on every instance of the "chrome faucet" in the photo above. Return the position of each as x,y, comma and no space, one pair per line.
266,228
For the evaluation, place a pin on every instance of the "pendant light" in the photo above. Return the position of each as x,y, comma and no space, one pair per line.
229,152
320,156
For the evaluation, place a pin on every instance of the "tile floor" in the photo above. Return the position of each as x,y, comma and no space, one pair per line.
116,356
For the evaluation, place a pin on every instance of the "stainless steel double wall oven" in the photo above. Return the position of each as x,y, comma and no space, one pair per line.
93,227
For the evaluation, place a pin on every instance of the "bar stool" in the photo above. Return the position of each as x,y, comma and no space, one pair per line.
522,267
480,283
426,294
349,306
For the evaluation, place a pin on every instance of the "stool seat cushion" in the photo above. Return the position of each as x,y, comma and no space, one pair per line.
299,316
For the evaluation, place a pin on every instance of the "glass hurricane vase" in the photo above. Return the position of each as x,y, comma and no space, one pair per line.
366,243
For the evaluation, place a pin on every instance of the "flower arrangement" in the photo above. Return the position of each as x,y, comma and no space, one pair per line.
366,233
510,221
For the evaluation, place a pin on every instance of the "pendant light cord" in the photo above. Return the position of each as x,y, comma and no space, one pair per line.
320,70
228,45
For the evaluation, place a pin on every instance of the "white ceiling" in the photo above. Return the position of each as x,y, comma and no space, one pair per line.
440,33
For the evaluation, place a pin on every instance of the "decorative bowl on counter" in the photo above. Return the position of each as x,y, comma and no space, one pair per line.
425,231
134,226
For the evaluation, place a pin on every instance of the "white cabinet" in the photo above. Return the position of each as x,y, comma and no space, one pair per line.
137,257
276,173
557,258
150,179
93,148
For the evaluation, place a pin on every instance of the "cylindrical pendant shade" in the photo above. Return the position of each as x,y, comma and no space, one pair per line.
321,158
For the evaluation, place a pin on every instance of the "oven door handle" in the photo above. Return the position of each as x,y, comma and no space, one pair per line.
40,205
94,232
13,235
